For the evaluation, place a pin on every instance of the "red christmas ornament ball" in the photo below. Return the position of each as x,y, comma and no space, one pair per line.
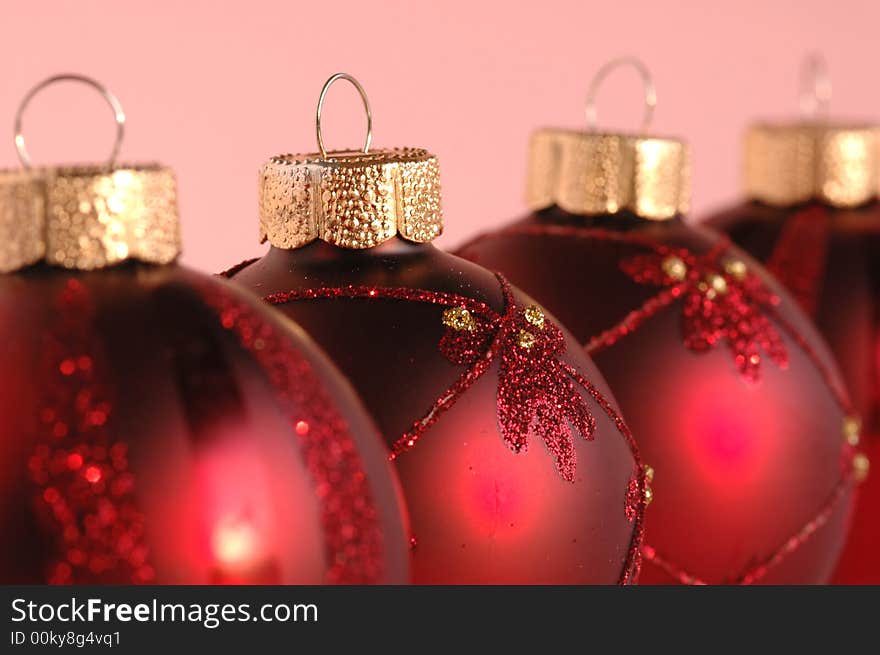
729,391
163,427
514,463
811,214
828,259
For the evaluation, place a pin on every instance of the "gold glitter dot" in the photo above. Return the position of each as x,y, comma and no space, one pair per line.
861,466
649,473
706,289
649,495
525,339
459,318
535,316
675,268
852,427
736,268
716,283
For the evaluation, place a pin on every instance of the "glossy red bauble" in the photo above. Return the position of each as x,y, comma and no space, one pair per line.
729,391
515,465
828,258
160,426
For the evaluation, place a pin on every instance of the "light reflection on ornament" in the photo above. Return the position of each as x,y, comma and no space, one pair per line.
731,444
236,503
501,501
235,542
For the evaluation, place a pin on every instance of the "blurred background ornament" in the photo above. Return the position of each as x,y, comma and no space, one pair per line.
515,464
161,426
811,213
729,390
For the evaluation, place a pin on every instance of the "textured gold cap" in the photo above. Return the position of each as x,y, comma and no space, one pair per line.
787,164
590,173
350,199
88,217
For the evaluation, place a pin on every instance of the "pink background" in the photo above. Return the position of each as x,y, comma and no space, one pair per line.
214,88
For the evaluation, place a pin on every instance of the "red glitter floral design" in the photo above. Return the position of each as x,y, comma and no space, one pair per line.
722,301
352,533
535,392
535,388
87,496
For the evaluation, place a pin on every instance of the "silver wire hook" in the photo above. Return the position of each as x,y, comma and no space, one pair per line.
815,86
363,94
112,100
648,82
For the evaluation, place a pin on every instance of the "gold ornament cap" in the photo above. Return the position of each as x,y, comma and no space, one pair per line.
86,217
591,173
352,199
835,163
791,163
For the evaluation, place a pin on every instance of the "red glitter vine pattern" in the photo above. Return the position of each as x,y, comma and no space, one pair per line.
352,532
798,257
87,496
229,272
637,489
722,301
757,571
